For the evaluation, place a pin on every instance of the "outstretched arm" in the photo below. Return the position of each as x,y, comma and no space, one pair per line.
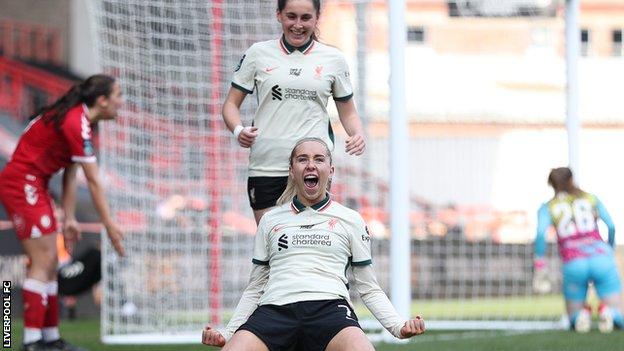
378,303
249,300
246,305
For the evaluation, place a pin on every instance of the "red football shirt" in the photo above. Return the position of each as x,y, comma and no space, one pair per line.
43,150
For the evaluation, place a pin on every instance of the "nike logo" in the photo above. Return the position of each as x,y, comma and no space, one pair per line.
269,69
348,311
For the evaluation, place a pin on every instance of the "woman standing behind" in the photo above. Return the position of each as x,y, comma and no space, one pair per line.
586,257
294,76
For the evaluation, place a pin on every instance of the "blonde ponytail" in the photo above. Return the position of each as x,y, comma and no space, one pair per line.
288,194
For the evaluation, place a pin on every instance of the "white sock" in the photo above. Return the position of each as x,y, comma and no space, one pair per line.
31,335
50,334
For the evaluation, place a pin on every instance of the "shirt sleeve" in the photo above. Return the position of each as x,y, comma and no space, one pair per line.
341,88
77,132
249,300
606,218
376,300
261,248
245,72
543,223
360,243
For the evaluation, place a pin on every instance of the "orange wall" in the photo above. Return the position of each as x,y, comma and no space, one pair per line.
446,34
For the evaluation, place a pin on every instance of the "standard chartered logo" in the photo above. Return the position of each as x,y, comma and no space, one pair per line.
311,240
282,243
299,94
277,93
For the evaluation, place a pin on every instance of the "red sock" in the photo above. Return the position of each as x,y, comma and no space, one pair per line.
35,298
602,307
51,321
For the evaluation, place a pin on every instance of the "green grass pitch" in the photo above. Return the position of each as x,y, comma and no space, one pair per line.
86,334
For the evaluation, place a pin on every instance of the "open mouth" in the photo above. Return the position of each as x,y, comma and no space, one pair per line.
298,35
310,181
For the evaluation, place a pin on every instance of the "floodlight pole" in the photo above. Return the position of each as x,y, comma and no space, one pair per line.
400,272
572,49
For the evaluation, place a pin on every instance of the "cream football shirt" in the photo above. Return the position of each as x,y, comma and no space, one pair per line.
308,250
293,87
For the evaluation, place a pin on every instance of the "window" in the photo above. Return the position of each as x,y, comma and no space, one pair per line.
416,35
616,42
502,8
585,41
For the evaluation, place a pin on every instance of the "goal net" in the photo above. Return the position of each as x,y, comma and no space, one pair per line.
485,107
176,179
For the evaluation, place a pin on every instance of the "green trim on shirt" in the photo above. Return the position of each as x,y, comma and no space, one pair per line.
362,263
344,98
243,89
300,207
290,49
258,262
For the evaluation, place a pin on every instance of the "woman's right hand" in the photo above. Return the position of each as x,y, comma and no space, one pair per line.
116,235
247,136
212,337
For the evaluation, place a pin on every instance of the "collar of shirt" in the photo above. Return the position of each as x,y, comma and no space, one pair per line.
297,206
85,110
289,49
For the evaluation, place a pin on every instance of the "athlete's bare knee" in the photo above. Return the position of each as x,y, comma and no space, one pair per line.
43,260
48,260
244,340
350,339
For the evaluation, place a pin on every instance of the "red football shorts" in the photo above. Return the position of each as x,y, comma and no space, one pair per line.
30,208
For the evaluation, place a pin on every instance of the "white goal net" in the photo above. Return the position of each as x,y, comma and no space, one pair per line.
484,88
176,179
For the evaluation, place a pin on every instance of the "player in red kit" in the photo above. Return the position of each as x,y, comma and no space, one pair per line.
58,138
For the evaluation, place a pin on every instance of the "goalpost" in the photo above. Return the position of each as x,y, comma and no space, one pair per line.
176,179
175,175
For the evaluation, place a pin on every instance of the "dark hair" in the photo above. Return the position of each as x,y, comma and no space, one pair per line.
317,6
86,92
561,180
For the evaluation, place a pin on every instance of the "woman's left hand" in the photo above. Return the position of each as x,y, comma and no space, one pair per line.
413,327
71,234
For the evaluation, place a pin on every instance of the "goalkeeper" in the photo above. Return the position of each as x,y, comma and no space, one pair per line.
297,297
586,257
294,76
